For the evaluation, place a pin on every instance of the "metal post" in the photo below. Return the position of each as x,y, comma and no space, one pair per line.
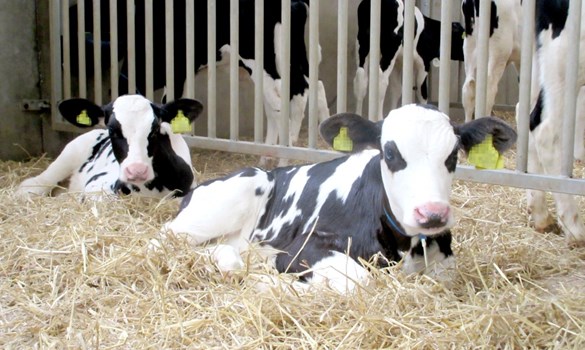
97,53
66,49
445,57
482,59
190,49
114,69
131,47
285,74
342,24
234,69
211,70
408,52
524,98
148,39
373,90
81,49
313,72
259,72
170,51
56,87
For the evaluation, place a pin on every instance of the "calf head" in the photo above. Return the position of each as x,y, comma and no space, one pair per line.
139,129
418,156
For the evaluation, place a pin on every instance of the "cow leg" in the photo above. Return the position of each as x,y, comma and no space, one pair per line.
468,89
272,105
226,208
495,72
71,158
547,139
440,258
536,200
322,103
360,87
395,82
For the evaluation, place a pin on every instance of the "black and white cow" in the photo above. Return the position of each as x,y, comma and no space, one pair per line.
504,47
427,43
137,153
299,66
547,117
383,199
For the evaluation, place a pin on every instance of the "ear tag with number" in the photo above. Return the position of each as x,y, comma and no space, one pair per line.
180,124
83,118
342,142
485,156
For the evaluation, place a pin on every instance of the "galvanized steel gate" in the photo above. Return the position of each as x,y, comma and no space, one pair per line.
62,79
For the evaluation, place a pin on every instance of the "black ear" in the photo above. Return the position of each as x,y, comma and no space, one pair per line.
191,109
73,111
474,132
362,132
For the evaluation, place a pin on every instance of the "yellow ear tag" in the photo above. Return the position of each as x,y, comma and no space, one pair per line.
342,142
485,156
180,124
83,118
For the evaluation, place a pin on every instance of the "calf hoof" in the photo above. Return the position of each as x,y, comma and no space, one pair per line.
226,258
549,225
31,187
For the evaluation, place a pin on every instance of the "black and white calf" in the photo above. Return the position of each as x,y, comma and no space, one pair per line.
137,153
382,200
427,42
504,47
547,117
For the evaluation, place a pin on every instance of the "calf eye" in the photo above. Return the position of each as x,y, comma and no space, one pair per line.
451,161
393,157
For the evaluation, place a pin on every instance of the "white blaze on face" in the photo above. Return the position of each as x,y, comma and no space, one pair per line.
136,117
416,142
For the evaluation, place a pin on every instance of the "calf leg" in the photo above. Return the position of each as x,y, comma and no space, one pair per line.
439,256
360,87
536,200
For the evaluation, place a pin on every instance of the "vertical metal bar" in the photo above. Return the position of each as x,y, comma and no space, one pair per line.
66,49
571,89
259,72
190,45
114,69
374,89
97,53
313,72
131,57
211,70
234,69
55,48
285,74
342,24
524,96
408,52
81,49
445,57
482,59
148,39
169,49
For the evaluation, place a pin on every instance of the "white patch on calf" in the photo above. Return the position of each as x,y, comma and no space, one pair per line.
425,139
135,115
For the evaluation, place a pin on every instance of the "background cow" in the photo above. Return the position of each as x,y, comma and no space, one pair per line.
299,66
322,217
427,43
137,153
504,47
547,117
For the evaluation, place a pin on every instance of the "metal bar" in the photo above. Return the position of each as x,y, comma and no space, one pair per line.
55,48
148,40
131,57
313,72
285,74
190,49
97,53
374,89
66,49
482,59
259,72
114,69
211,70
169,51
408,52
571,88
234,69
524,97
81,49
445,57
342,24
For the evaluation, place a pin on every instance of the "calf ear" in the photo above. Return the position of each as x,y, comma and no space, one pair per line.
362,132
190,108
474,132
81,112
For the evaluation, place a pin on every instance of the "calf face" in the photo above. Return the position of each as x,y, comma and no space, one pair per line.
139,131
418,156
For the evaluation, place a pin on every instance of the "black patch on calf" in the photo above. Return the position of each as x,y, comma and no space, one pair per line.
536,114
451,161
259,191
96,151
185,201
553,14
393,157
119,142
443,240
95,177
470,9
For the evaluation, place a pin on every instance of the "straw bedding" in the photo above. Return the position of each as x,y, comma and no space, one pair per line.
78,275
